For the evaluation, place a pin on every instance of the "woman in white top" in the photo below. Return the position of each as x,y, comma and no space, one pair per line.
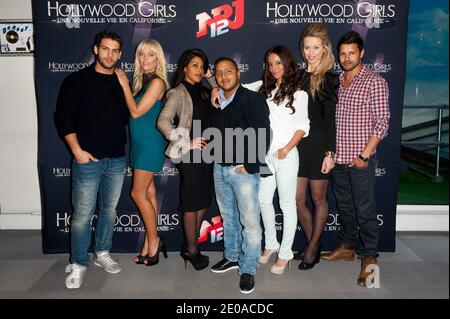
289,123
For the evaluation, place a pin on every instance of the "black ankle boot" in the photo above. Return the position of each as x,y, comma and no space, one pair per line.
197,260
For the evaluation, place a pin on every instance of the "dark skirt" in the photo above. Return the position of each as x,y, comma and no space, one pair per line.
196,186
311,151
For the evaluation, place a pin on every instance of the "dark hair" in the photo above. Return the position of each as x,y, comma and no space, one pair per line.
351,37
105,34
290,81
223,59
185,59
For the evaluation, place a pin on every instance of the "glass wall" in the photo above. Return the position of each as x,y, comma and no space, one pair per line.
426,105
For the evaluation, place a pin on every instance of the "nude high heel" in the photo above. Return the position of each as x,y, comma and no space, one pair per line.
279,270
264,259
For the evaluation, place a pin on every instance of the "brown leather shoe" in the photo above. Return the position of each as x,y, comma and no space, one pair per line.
365,262
343,252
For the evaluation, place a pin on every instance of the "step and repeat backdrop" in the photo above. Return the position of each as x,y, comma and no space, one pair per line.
241,29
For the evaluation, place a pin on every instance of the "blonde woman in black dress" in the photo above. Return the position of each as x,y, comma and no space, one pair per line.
316,152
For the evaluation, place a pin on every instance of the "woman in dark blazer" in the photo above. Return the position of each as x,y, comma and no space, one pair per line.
186,113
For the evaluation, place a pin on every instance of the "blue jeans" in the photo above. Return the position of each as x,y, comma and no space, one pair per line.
354,189
94,181
237,198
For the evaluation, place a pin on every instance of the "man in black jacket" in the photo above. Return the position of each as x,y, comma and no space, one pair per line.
91,116
243,120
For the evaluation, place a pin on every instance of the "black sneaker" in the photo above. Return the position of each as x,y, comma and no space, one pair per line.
247,283
224,265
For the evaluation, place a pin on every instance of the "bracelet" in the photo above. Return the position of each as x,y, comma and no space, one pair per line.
330,154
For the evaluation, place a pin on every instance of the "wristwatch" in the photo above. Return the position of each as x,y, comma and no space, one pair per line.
364,159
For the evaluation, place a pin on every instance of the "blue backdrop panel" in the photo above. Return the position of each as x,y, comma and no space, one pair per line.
241,29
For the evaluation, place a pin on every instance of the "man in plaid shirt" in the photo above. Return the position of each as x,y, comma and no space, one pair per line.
362,121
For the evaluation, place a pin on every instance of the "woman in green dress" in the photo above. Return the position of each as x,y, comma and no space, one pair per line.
147,145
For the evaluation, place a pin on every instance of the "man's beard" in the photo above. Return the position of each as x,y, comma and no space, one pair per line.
103,64
352,67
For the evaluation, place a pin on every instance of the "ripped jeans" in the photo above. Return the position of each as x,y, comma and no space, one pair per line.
237,198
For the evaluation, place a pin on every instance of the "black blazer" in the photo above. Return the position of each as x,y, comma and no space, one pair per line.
250,110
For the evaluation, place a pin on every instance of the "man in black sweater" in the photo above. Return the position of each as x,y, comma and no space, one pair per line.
91,116
243,120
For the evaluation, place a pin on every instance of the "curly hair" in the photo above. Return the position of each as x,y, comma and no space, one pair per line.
290,82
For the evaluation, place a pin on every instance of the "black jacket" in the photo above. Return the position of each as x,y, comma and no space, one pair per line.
247,110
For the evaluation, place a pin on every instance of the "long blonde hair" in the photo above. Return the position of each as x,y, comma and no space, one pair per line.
161,68
318,30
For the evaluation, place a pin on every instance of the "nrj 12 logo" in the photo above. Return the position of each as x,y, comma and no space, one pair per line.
220,22
215,230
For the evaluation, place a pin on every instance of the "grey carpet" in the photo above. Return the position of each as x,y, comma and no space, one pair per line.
419,269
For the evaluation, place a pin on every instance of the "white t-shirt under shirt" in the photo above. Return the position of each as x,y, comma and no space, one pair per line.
283,123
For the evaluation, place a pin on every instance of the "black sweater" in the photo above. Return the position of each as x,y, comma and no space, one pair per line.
247,110
92,105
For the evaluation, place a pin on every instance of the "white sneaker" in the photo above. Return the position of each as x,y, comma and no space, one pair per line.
75,279
104,260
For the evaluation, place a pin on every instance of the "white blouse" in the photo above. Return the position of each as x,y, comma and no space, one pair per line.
283,123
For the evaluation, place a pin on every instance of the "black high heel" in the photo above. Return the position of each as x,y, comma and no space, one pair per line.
299,255
307,266
153,260
197,260
140,259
